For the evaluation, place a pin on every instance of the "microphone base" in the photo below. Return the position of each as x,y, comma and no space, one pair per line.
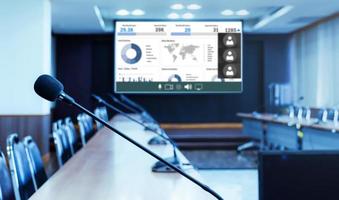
160,167
157,140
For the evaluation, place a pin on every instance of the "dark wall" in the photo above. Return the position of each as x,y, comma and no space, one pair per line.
85,65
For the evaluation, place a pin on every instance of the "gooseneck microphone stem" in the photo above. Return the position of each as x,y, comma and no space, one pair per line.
63,97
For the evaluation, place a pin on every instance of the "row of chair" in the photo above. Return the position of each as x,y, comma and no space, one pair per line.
66,138
323,115
27,172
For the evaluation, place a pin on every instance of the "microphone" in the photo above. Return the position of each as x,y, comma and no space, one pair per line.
51,89
147,127
161,139
137,106
130,108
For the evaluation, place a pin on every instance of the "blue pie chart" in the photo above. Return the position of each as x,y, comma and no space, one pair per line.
137,56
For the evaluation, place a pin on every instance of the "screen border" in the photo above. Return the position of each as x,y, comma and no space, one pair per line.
176,93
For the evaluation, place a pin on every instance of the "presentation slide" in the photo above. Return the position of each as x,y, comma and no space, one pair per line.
178,56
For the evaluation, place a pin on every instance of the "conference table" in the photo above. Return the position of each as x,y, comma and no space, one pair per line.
108,167
291,133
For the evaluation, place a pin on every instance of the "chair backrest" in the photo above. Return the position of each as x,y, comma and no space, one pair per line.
6,187
89,123
22,176
70,124
62,147
37,165
98,114
104,113
332,115
71,136
74,133
322,115
101,112
85,128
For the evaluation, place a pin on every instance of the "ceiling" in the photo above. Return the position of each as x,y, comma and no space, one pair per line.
96,16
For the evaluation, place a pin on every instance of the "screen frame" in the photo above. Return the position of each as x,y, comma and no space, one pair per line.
261,155
176,93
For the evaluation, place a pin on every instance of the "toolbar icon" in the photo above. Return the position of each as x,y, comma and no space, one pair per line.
188,86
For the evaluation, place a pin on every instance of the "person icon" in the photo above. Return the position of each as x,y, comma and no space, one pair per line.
229,56
229,41
229,71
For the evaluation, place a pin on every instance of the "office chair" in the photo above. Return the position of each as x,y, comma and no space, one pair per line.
62,147
85,127
89,124
6,187
304,113
333,115
70,124
98,113
36,163
84,136
102,113
322,115
22,176
71,137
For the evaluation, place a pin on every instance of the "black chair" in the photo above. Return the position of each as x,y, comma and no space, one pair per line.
37,166
101,112
22,176
6,187
73,134
88,124
84,128
71,137
62,147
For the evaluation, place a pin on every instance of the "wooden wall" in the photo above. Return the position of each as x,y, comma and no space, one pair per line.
38,126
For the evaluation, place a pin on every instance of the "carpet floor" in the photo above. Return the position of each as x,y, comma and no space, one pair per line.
221,159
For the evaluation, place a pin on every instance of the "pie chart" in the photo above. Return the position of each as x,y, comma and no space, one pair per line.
131,53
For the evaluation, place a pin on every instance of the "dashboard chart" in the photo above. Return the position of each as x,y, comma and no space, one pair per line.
178,56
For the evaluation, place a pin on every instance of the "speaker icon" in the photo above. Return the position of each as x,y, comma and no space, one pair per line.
188,86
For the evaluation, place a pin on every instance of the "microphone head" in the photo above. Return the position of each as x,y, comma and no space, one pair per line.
48,87
113,97
96,97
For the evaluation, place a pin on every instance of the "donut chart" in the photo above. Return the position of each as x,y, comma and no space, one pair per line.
174,78
137,56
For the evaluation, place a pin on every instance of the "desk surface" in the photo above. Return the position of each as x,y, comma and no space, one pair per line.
328,126
109,167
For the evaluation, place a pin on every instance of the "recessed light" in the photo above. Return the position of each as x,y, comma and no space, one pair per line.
242,12
227,12
177,6
187,15
138,12
173,16
193,6
122,12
